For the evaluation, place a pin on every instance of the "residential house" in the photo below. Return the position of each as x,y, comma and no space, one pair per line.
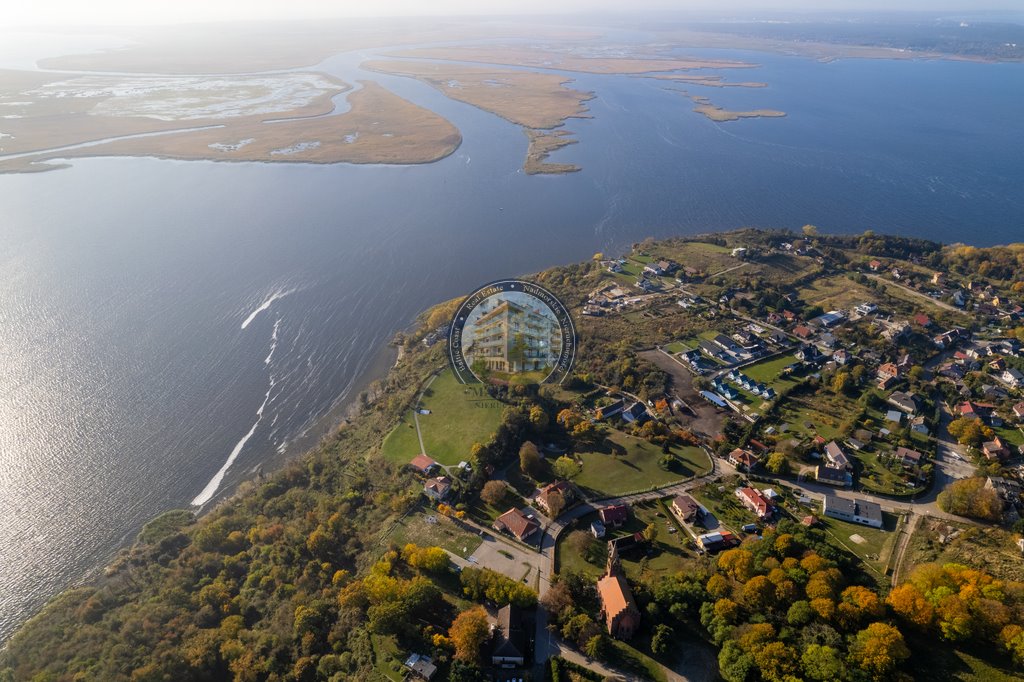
919,425
894,416
907,457
615,515
922,320
866,309
841,357
1013,377
713,542
687,508
995,449
637,412
420,667
610,410
888,370
854,511
836,457
828,319
423,464
743,458
875,265
437,488
509,648
561,489
756,502
840,478
904,401
618,607
1018,410
661,267
726,344
803,332
517,523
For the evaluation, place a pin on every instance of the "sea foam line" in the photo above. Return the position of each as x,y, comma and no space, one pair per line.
211,487
273,342
266,304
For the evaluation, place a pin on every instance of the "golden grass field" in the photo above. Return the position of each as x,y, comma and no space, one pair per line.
542,143
539,102
720,115
380,127
532,100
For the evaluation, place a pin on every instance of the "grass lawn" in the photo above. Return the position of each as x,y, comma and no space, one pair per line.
770,372
878,542
445,534
460,415
1010,435
874,476
634,466
955,664
401,445
677,347
838,292
991,549
798,412
385,655
723,504
625,656
669,555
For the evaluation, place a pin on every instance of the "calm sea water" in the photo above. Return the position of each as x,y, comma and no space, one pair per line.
158,317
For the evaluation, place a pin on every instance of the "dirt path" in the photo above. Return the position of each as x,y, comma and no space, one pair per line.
918,294
416,413
902,543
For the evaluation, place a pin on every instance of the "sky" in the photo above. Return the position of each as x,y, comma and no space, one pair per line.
128,12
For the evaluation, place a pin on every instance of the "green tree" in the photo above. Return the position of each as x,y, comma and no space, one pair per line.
597,647
777,463
799,613
566,467
970,497
529,459
878,649
494,493
539,419
822,662
734,664
662,639
650,532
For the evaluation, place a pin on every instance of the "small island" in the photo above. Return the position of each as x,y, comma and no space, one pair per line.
539,102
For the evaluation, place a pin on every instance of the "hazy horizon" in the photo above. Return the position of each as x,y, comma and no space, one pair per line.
71,13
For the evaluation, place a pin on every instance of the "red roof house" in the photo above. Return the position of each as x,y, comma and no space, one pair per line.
423,464
516,523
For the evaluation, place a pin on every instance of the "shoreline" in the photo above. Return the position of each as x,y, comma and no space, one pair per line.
340,414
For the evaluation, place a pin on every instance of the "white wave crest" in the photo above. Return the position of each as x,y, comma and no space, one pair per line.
266,304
